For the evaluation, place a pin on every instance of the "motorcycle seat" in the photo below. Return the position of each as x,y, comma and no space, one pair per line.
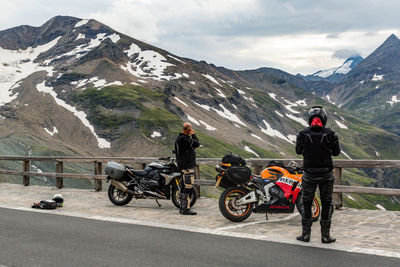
260,180
139,172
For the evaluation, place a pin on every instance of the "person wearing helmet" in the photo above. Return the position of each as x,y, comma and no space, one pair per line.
185,145
317,144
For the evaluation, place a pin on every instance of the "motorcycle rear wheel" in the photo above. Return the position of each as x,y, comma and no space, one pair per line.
315,208
228,207
118,197
177,202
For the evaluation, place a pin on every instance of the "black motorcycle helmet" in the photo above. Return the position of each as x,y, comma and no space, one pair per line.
317,111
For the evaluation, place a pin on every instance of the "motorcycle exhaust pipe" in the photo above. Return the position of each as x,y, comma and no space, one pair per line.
120,186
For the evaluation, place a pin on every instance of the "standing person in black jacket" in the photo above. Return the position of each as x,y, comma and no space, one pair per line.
317,144
185,146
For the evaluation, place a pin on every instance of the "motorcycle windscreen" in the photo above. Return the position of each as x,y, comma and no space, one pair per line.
238,174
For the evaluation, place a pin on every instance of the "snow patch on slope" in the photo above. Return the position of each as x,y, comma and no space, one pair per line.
147,64
393,101
380,207
19,64
180,101
190,118
248,149
81,23
256,136
225,113
299,120
208,127
288,104
155,134
202,106
51,132
81,50
219,92
377,77
41,87
344,153
211,78
329,100
80,36
341,125
268,130
177,59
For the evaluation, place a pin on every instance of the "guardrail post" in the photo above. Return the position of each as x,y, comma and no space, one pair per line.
337,197
98,169
257,169
59,169
26,166
197,177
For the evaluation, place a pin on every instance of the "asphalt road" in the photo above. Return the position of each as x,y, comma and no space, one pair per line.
36,239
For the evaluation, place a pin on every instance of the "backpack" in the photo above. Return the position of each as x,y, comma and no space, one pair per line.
276,163
234,160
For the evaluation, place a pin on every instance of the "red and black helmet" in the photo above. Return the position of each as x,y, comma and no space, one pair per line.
317,111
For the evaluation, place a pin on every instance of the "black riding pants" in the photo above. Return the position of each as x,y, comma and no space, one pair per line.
326,189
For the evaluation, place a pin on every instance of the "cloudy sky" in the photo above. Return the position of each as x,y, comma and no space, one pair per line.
298,36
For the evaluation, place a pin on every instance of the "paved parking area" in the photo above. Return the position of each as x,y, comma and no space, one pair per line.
366,231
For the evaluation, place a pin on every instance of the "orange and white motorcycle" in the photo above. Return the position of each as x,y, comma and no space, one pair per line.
276,190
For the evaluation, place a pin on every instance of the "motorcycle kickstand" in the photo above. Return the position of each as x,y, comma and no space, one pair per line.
159,205
266,216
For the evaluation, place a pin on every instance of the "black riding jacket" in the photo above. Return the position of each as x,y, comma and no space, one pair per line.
317,145
185,150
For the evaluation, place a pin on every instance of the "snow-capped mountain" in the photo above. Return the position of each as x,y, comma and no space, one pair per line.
77,87
118,91
335,74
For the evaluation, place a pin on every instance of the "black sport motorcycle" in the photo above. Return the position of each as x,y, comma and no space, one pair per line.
157,181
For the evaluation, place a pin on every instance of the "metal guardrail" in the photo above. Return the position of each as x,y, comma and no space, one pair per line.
256,163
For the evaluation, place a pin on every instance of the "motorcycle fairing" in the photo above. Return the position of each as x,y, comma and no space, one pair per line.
286,184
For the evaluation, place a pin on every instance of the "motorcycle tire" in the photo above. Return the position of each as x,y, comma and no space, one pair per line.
227,204
315,208
177,202
118,197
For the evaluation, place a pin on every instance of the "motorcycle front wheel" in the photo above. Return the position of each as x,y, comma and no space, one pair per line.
176,200
229,208
118,197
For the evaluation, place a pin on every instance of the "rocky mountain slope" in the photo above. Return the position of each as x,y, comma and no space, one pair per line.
369,91
78,87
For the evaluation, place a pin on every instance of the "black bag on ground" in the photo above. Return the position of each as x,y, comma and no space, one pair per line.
45,204
234,160
238,174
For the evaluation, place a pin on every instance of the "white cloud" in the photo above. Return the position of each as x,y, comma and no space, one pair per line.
298,36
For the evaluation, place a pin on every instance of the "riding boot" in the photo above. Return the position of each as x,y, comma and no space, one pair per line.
325,229
187,212
306,233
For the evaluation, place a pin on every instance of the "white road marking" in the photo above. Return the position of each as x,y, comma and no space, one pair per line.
252,223
333,246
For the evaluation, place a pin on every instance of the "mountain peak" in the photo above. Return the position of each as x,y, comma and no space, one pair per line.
391,41
392,37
